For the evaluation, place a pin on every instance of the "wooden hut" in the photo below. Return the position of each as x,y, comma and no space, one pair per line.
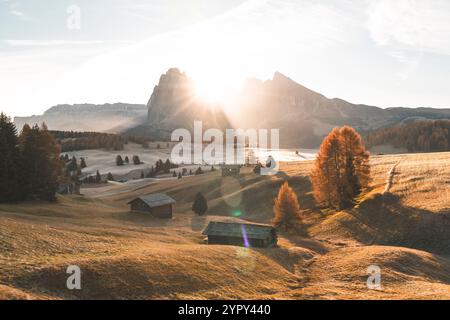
158,205
241,234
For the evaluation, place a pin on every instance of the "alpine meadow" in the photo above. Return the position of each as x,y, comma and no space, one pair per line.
173,150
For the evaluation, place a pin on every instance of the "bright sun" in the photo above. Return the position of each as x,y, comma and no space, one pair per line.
217,89
215,67
211,91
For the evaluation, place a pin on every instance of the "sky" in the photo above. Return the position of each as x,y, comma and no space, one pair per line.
387,53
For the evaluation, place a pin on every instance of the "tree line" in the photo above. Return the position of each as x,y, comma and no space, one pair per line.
419,136
138,140
89,140
29,162
123,161
74,141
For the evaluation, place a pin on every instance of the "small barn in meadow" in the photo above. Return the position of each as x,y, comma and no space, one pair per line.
158,205
241,234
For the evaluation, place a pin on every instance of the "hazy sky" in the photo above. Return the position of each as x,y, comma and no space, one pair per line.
381,52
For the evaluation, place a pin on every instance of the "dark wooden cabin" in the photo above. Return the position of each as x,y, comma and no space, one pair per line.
241,234
158,205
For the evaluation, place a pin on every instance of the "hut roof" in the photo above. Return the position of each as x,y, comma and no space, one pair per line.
155,200
236,229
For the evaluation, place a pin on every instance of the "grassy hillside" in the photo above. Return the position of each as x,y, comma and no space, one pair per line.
404,230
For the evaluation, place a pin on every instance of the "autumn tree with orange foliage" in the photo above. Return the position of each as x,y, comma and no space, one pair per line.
341,170
286,209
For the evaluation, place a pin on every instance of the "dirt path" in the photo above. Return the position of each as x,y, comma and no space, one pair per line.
390,178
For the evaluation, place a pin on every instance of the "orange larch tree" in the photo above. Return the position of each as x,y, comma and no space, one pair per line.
286,209
326,177
357,168
341,170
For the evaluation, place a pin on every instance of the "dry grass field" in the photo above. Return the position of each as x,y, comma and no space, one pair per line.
403,229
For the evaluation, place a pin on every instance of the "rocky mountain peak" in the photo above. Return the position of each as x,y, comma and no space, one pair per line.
172,76
282,82
173,89
279,77
174,104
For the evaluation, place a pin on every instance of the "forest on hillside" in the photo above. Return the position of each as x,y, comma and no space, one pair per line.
90,140
74,141
30,167
419,136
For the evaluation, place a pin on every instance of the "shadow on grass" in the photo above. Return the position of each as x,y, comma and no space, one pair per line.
386,221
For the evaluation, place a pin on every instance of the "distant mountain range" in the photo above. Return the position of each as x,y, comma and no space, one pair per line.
89,117
303,116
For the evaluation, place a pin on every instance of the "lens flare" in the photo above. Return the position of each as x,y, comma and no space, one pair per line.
236,214
244,236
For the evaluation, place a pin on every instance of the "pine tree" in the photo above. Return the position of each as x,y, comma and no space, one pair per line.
127,160
136,160
119,160
83,163
9,161
200,205
41,165
110,177
53,165
167,166
159,166
142,175
73,165
179,175
152,172
286,209
98,177
174,174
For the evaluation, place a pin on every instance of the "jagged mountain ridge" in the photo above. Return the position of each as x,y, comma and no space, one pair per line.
174,104
304,117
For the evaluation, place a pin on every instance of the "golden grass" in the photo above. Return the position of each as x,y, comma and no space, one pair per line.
124,255
423,181
405,274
